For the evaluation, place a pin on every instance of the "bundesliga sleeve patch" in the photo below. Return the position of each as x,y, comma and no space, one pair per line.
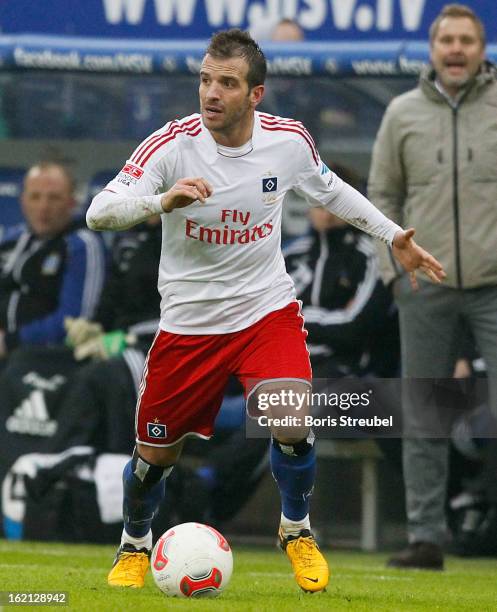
133,171
129,175
156,430
269,184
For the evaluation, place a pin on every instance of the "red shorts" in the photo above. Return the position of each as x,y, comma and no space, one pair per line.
185,376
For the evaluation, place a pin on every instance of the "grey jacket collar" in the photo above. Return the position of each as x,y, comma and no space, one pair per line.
486,76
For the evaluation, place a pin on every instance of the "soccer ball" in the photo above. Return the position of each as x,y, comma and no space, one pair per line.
192,560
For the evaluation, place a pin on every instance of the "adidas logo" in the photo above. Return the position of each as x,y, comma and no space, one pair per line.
32,417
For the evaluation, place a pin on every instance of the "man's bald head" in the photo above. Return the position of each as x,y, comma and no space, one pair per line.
48,198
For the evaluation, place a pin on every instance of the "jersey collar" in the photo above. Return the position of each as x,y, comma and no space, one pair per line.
209,145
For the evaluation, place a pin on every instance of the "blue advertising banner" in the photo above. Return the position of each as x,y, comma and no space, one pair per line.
313,58
338,20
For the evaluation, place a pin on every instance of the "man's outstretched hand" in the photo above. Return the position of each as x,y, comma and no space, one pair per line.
412,257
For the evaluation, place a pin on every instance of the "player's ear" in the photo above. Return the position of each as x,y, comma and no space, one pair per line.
257,94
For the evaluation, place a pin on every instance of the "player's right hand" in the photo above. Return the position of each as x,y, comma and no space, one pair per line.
184,192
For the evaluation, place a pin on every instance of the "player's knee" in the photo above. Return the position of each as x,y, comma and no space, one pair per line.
292,434
160,455
294,447
148,473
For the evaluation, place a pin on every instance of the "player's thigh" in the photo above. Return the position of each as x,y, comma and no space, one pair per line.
275,363
273,348
182,389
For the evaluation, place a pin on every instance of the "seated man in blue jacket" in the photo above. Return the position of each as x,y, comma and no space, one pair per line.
50,267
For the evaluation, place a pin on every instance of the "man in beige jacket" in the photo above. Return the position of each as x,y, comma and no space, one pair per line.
434,167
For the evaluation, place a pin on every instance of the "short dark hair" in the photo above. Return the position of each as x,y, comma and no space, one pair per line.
458,10
237,43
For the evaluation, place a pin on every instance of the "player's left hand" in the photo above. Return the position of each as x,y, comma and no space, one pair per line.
412,257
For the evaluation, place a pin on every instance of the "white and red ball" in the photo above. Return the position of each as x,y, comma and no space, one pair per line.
192,560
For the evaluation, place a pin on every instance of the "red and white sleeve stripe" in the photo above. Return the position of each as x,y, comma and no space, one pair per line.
273,124
156,141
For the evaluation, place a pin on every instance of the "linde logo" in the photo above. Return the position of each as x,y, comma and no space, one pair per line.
363,15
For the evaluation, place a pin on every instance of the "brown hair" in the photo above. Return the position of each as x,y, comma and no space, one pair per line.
237,43
458,10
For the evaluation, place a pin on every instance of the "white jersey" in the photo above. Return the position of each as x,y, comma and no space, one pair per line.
221,266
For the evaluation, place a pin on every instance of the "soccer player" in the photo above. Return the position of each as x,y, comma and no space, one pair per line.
228,305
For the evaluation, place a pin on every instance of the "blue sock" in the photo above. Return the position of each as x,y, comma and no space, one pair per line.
144,489
294,474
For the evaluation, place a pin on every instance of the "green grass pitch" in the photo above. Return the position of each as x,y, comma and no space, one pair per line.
261,581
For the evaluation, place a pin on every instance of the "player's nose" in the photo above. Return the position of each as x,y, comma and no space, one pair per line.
213,92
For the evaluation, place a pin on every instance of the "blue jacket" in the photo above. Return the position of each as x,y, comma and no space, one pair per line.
44,280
